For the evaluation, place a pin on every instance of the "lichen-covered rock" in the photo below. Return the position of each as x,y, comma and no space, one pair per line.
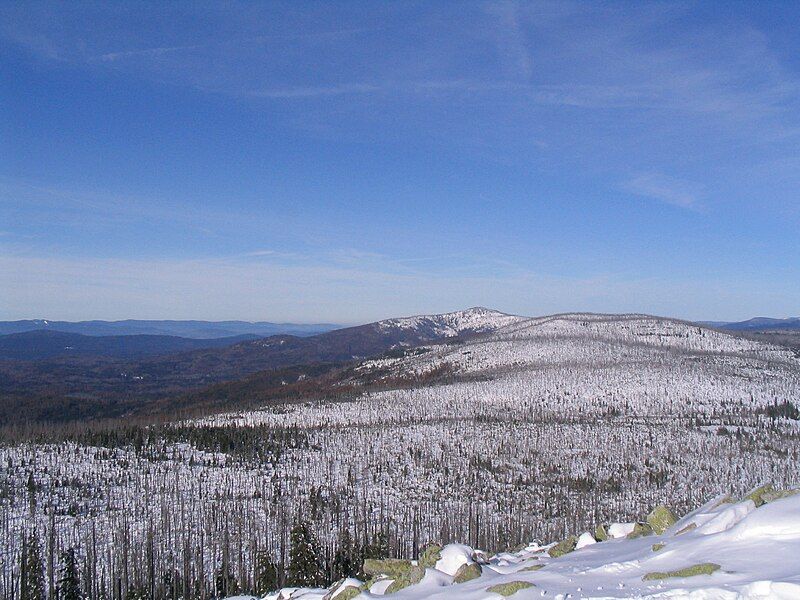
757,494
640,530
601,533
533,568
563,547
413,576
467,572
520,547
378,585
660,519
687,529
430,556
778,494
693,571
348,593
510,588
658,546
345,589
391,567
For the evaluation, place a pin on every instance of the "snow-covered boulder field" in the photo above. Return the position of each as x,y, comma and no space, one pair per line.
727,549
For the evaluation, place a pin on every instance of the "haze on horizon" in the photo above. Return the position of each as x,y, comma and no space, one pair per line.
310,162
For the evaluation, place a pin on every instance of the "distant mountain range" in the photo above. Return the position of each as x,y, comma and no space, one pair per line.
44,344
48,375
111,376
185,329
757,324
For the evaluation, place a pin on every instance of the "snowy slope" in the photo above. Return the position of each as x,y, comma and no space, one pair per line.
472,320
749,553
537,430
584,338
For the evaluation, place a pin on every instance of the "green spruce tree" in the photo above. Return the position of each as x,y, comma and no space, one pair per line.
33,581
225,582
304,558
69,585
266,573
345,561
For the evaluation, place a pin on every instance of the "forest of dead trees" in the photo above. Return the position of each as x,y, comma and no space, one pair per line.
588,430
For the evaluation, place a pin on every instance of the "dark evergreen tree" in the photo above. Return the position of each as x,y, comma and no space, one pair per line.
69,586
266,573
346,561
378,547
225,582
304,558
33,581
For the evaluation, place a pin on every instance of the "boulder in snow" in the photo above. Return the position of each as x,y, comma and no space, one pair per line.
660,519
510,588
563,547
693,571
467,572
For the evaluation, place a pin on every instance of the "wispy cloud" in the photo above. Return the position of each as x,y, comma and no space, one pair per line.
379,87
148,52
663,188
510,39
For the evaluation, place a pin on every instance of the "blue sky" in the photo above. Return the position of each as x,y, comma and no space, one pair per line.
355,160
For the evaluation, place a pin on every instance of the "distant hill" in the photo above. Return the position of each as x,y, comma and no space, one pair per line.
185,329
46,344
757,324
111,385
351,343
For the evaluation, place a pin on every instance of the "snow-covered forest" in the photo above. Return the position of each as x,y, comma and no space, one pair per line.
541,429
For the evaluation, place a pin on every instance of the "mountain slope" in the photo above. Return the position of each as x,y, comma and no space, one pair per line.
140,381
340,345
187,329
598,364
591,341
48,344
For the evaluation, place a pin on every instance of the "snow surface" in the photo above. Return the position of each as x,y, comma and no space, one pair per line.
453,556
472,320
757,550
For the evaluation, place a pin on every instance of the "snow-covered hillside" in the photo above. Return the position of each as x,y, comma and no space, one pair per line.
726,550
471,320
535,430
599,340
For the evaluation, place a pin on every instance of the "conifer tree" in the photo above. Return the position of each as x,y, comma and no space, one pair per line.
266,573
345,561
304,561
69,587
225,582
33,582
